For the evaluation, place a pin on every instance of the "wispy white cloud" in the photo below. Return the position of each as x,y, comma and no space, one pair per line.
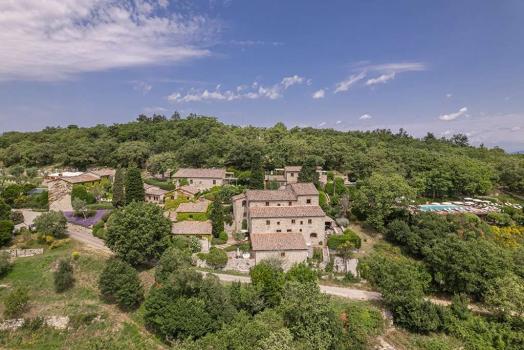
452,116
344,85
321,124
319,94
365,117
250,92
448,95
293,80
381,79
338,122
142,86
252,43
58,39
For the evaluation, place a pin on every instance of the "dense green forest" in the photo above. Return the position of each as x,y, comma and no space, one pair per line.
433,167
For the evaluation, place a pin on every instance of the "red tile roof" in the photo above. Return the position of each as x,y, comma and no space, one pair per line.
286,211
303,189
191,228
190,207
278,241
85,177
213,173
154,190
270,195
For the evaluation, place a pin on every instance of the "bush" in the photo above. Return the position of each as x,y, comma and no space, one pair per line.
301,273
80,192
223,236
5,263
119,283
6,231
53,223
171,261
15,302
17,217
216,258
334,241
186,243
75,255
5,210
63,276
269,277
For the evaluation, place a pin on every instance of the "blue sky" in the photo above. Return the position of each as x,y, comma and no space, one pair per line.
439,66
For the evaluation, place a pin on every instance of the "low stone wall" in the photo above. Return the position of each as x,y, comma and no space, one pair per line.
21,253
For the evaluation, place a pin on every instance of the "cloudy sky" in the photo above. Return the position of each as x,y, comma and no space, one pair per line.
440,66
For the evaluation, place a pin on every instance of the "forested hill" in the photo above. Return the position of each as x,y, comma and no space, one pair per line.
433,166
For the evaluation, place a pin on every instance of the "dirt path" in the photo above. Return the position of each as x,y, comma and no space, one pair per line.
85,236
349,293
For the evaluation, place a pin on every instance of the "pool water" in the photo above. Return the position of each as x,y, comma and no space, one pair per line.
435,207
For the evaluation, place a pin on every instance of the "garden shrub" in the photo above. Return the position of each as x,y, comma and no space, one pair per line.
63,276
216,258
15,302
119,283
80,192
17,217
51,223
334,241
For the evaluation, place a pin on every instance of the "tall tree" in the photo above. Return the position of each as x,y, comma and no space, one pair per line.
134,186
308,173
217,217
119,199
138,233
256,180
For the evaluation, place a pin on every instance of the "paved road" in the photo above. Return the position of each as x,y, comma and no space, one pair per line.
355,294
84,235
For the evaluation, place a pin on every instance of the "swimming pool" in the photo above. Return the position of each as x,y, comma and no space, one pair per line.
435,207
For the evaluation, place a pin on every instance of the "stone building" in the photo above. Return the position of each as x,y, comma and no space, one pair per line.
203,178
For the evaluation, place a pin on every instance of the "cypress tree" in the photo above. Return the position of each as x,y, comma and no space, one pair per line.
134,186
256,180
308,173
119,199
217,217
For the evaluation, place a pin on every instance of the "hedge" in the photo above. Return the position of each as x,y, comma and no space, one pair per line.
334,241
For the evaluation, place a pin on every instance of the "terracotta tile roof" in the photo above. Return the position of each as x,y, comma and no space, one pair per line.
191,228
238,196
303,189
85,177
192,190
286,211
213,173
292,168
103,172
278,241
197,207
153,190
270,195
278,178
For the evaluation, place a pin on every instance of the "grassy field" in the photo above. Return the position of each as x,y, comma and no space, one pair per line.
93,324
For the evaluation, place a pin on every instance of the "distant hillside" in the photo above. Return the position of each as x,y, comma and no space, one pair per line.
435,167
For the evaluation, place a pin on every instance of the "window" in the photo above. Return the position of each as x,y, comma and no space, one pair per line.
191,181
293,221
267,204
243,203
278,205
301,222
279,231
308,201
268,222
292,174
288,230
282,254
214,182
309,221
245,214
300,230
290,203
313,235
278,222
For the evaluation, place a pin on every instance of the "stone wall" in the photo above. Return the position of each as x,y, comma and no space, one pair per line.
301,225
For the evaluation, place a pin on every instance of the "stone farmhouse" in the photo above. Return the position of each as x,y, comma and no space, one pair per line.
270,215
154,194
203,178
290,248
199,229
289,175
60,185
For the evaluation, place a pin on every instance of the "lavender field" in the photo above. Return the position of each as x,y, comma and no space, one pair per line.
79,220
